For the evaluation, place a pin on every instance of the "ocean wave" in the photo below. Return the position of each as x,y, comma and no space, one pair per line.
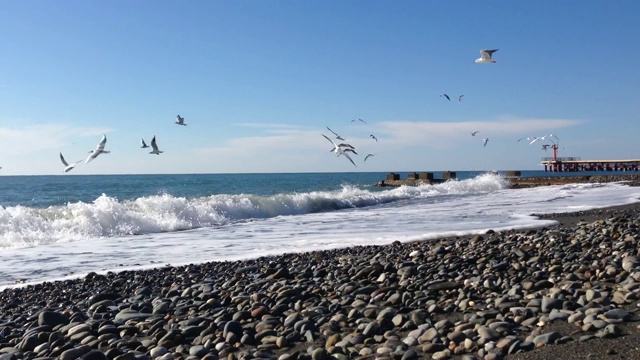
22,226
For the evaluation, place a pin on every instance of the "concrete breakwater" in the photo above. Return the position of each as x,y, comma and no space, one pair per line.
515,181
414,179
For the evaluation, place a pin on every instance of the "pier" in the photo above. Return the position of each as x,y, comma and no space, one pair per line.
414,179
572,164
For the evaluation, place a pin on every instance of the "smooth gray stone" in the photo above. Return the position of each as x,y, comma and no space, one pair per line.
410,355
52,318
618,314
488,333
233,327
128,314
549,304
75,353
371,329
94,355
197,350
548,338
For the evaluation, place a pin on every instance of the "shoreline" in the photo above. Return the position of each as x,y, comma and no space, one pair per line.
481,296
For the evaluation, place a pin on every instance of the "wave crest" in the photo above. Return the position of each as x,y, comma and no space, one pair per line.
22,226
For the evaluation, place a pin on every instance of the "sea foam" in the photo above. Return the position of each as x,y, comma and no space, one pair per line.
22,226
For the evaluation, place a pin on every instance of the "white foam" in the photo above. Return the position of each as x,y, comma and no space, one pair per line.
245,226
107,217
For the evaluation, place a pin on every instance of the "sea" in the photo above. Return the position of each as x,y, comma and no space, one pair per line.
65,226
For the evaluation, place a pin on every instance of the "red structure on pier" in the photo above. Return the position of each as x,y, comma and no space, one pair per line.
570,164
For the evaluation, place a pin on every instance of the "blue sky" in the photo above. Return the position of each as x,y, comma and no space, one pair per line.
258,82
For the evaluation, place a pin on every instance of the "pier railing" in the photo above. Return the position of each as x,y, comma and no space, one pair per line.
567,158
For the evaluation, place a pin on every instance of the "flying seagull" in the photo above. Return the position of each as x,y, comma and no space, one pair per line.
485,140
358,119
342,149
99,149
535,138
447,96
527,138
66,164
460,97
474,133
553,136
368,155
143,144
373,137
545,146
154,146
180,120
337,136
485,56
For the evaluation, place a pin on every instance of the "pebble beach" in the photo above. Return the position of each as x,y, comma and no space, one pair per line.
566,292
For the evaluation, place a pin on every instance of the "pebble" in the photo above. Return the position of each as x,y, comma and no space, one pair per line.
476,297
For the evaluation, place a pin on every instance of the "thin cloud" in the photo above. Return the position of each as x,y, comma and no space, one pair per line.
413,133
269,126
35,138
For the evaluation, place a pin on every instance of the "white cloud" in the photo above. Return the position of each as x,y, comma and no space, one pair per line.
35,138
441,133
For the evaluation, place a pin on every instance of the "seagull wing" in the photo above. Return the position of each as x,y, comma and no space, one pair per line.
333,132
534,139
143,144
99,149
368,155
350,159
486,54
92,156
153,144
326,137
101,145
63,160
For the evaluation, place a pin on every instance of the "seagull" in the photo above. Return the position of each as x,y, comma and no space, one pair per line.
143,144
474,133
358,119
342,149
337,136
373,137
180,121
460,97
485,56
553,136
67,166
486,140
154,146
545,147
447,96
535,138
99,149
527,138
368,155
